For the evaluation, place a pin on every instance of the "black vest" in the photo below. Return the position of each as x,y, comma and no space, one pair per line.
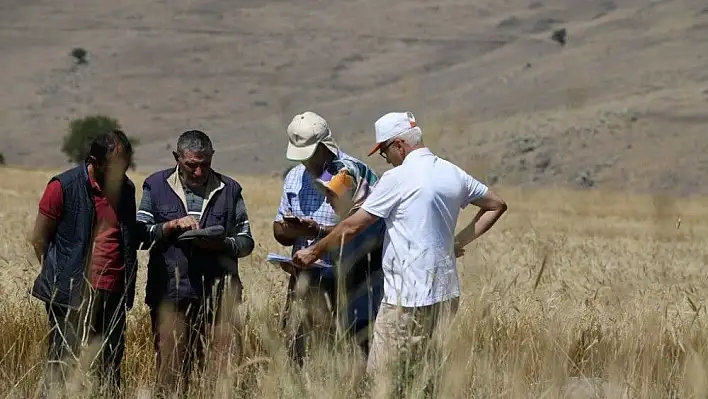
176,273
64,270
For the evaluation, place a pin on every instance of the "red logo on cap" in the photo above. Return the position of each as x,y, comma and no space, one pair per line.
411,119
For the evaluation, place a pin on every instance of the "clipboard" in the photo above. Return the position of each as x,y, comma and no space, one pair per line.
276,259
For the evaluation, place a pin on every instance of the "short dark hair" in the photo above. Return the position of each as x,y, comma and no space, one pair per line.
106,143
194,141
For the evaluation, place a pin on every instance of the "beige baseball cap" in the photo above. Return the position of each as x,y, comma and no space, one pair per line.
391,125
305,131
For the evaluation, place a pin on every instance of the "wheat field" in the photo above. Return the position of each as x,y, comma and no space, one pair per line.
572,294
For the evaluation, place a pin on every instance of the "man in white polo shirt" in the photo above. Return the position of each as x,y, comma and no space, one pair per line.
420,199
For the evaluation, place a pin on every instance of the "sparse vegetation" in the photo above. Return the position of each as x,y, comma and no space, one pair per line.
560,36
573,291
83,130
79,55
2,159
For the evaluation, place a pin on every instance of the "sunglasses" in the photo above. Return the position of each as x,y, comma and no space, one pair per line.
382,149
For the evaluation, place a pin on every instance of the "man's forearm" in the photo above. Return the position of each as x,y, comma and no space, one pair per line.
326,230
280,230
239,246
482,222
338,234
239,241
281,236
287,236
44,230
40,248
149,233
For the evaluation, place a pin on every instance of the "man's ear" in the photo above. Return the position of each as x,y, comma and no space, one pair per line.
176,155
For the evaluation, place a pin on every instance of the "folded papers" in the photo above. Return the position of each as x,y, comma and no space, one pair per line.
275,258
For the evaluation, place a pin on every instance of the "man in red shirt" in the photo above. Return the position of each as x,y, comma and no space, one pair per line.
106,269
84,232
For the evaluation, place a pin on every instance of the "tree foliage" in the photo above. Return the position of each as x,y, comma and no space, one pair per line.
82,131
79,55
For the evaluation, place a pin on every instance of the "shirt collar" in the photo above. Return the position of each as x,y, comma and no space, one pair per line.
417,153
211,183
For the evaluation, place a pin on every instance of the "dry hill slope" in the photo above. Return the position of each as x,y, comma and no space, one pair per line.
621,105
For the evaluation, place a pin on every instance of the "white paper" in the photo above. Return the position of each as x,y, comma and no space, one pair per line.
275,258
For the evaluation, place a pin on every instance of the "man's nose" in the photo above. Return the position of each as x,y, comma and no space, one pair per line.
198,171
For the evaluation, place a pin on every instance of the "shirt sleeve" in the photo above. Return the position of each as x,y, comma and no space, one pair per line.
284,207
52,201
149,230
383,198
240,240
474,189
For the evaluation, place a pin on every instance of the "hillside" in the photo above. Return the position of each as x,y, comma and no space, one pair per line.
622,105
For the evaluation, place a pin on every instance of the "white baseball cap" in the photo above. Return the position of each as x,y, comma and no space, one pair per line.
305,131
391,125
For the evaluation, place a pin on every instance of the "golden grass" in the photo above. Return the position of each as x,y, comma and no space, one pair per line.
571,291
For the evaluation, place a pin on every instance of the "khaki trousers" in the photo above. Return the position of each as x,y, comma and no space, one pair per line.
403,337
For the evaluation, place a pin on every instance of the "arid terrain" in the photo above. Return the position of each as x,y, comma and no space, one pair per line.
621,105
574,294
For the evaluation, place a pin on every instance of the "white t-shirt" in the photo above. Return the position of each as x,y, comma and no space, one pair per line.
420,201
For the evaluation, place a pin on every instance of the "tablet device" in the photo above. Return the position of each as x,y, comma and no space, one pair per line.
276,259
216,231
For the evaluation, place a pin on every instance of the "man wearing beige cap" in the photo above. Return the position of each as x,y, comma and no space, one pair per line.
306,215
420,200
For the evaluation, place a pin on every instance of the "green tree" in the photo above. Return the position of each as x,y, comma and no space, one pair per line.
82,131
